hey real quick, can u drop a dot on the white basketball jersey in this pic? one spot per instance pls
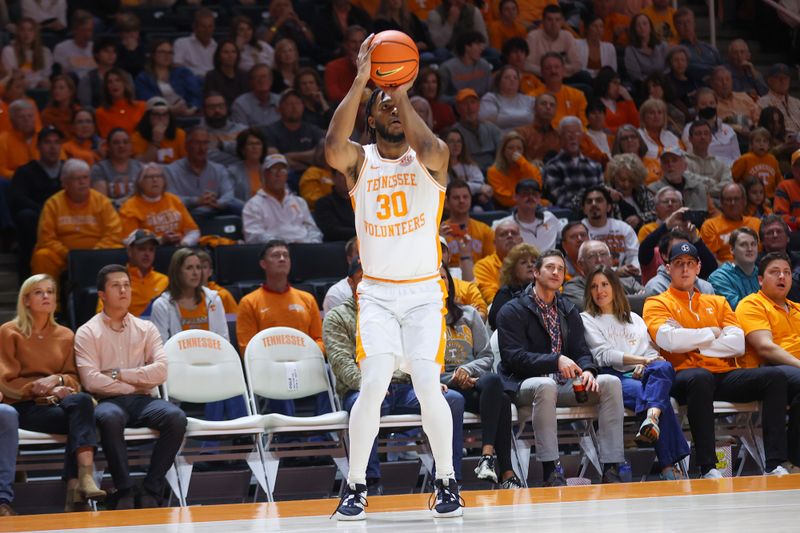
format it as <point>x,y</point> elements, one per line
<point>398,207</point>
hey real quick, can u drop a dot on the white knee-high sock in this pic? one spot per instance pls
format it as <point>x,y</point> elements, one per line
<point>437,421</point>
<point>376,374</point>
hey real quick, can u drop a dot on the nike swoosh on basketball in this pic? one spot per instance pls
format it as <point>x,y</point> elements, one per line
<point>388,72</point>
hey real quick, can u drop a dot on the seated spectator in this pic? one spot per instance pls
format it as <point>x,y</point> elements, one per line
<point>204,187</point>
<point>702,56</point>
<point>429,86</point>
<point>779,81</point>
<point>715,230</point>
<point>221,129</point>
<point>316,110</point>
<point>540,138</point>
<point>482,139</point>
<point>18,144</point>
<point>515,53</point>
<point>621,347</point>
<point>758,163</point>
<point>653,120</point>
<point>467,70</point>
<point>75,218</point>
<point>633,201</point>
<point>661,281</point>
<point>774,237</point>
<point>90,86</point>
<point>683,86</point>
<point>251,149</point>
<point>716,169</point>
<point>286,66</point>
<point>591,256</point>
<point>164,77</point>
<point>724,144</point>
<point>229,303</point>
<point>487,270</point>
<point>157,138</point>
<point>12,88</point>
<point>573,235</point>
<point>196,52</point>
<point>120,360</point>
<point>615,22</point>
<point>661,13</point>
<point>340,335</point>
<point>62,104</point>
<point>468,364</point>
<point>693,187</point>
<point>703,349</point>
<point>542,351</point>
<point>258,107</point>
<point>275,212</point>
<point>131,54</point>
<point>569,101</point>
<point>594,53</point>
<point>510,167</point>
<point>550,38</point>
<point>757,203</point>
<point>119,109</point>
<point>9,439</point>
<point>669,212</point>
<point>341,290</point>
<point>153,209</point>
<point>538,226</point>
<point>567,175</point>
<point>738,278</point>
<point>115,176</point>
<point>290,135</point>
<point>463,168</point>
<point>282,23</point>
<point>395,15</point>
<point>616,234</point>
<point>38,375</point>
<point>27,53</point>
<point>75,55</point>
<point>84,144</point>
<point>733,108</point>
<point>597,141</point>
<point>646,52</point>
<point>340,72</point>
<point>226,78</point>
<point>658,87</point>
<point>781,144</point>
<point>746,77</point>
<point>787,195</point>
<point>665,202</point>
<point>507,26</point>
<point>516,274</point>
<point>771,321</point>
<point>317,180</point>
<point>504,105</point>
<point>252,50</point>
<point>629,141</point>
<point>450,19</point>
<point>334,214</point>
<point>468,239</point>
<point>32,184</point>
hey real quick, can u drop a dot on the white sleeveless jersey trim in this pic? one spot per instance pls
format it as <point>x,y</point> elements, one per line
<point>397,217</point>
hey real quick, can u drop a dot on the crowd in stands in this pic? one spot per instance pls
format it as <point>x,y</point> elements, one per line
<point>600,154</point>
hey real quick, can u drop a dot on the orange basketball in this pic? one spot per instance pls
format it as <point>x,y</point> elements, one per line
<point>395,59</point>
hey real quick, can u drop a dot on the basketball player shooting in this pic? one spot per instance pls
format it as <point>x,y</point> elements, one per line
<point>397,186</point>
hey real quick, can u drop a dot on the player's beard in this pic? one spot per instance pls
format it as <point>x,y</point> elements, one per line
<point>383,133</point>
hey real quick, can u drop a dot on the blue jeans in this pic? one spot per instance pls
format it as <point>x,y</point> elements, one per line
<point>401,400</point>
<point>286,407</point>
<point>229,409</point>
<point>9,440</point>
<point>654,391</point>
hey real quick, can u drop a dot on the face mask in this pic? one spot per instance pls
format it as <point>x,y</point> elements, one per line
<point>707,113</point>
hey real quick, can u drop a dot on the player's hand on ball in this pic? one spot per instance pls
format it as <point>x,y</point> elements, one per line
<point>364,61</point>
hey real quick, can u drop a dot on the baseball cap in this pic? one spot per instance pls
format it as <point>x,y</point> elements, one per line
<point>683,248</point>
<point>779,69</point>
<point>155,102</point>
<point>463,94</point>
<point>50,130</point>
<point>274,159</point>
<point>139,236</point>
<point>795,157</point>
<point>673,150</point>
<point>354,268</point>
<point>527,185</point>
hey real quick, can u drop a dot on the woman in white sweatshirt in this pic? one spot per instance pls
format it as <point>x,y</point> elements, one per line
<point>621,346</point>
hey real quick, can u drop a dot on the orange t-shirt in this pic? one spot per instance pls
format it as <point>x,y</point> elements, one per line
<point>765,168</point>
<point>121,114</point>
<point>504,184</point>
<point>169,150</point>
<point>569,102</point>
<point>196,318</point>
<point>16,151</point>
<point>487,276</point>
<point>716,231</point>
<point>74,148</point>
<point>626,113</point>
<point>5,121</point>
<point>499,33</point>
<point>662,22</point>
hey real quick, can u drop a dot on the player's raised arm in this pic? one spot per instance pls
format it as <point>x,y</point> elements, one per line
<point>341,153</point>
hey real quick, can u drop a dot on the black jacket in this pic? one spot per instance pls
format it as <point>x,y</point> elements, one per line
<point>30,187</point>
<point>525,349</point>
<point>335,218</point>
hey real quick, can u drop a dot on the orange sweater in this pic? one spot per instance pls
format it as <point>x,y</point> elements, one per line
<point>169,150</point>
<point>167,214</point>
<point>16,151</point>
<point>765,168</point>
<point>499,33</point>
<point>468,293</point>
<point>569,101</point>
<point>315,183</point>
<point>5,121</point>
<point>487,276</point>
<point>702,311</point>
<point>24,360</point>
<point>121,114</point>
<point>504,184</point>
<point>262,309</point>
<point>717,230</point>
<point>74,148</point>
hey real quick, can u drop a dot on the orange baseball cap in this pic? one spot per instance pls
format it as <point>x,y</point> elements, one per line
<point>463,94</point>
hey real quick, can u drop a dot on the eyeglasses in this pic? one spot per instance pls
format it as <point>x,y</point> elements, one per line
<point>669,201</point>
<point>596,255</point>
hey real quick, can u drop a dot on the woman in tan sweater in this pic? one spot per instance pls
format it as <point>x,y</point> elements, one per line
<point>38,377</point>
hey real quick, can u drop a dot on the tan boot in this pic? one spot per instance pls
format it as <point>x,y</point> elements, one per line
<point>87,489</point>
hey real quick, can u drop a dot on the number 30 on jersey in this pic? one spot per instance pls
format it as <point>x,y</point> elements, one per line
<point>393,205</point>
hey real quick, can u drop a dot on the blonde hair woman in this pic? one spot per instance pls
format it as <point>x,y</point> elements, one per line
<point>39,379</point>
<point>516,273</point>
<point>626,175</point>
<point>510,167</point>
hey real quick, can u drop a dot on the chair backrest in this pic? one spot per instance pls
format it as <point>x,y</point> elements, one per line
<point>285,364</point>
<point>202,367</point>
<point>238,263</point>
<point>325,260</point>
<point>83,265</point>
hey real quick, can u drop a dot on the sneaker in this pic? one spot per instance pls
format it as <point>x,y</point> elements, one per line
<point>672,473</point>
<point>7,510</point>
<point>354,500</point>
<point>648,432</point>
<point>556,478</point>
<point>485,469</point>
<point>779,471</point>
<point>511,483</point>
<point>792,469</point>
<point>712,474</point>
<point>449,503</point>
<point>611,475</point>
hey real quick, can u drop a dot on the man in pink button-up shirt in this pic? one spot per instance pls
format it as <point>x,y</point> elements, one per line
<point>121,360</point>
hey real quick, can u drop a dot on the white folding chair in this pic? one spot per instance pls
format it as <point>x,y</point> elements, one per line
<point>204,367</point>
<point>283,363</point>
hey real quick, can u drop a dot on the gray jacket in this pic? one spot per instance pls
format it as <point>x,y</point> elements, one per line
<point>660,282</point>
<point>167,317</point>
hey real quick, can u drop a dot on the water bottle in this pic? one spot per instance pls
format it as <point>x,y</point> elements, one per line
<point>625,473</point>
